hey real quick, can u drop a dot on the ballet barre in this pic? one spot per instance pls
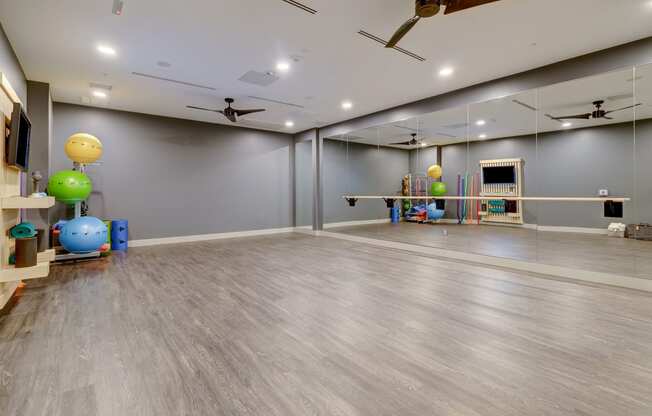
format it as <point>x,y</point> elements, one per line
<point>352,199</point>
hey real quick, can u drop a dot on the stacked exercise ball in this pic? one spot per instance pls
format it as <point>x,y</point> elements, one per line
<point>438,189</point>
<point>83,148</point>
<point>434,171</point>
<point>83,235</point>
<point>69,186</point>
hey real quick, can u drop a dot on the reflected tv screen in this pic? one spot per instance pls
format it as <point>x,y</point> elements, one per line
<point>499,174</point>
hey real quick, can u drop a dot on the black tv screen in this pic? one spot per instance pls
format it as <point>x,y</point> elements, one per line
<point>18,142</point>
<point>498,174</point>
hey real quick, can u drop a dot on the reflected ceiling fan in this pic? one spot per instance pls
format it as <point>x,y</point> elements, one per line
<point>231,113</point>
<point>412,142</point>
<point>597,113</point>
<point>429,8</point>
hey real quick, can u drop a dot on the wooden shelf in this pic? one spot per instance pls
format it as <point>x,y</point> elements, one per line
<point>21,202</point>
<point>47,255</point>
<point>12,274</point>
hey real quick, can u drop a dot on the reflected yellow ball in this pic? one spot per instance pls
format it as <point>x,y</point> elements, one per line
<point>434,171</point>
<point>83,148</point>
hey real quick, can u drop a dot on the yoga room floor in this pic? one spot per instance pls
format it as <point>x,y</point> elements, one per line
<point>301,325</point>
<point>592,252</point>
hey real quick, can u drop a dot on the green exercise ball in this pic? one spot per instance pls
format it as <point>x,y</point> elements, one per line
<point>69,186</point>
<point>438,189</point>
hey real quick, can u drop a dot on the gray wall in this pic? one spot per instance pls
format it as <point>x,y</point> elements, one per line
<point>570,163</point>
<point>40,115</point>
<point>367,170</point>
<point>172,177</point>
<point>10,66</point>
<point>422,159</point>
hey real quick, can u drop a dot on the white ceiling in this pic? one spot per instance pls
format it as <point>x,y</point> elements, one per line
<point>510,116</point>
<point>214,42</point>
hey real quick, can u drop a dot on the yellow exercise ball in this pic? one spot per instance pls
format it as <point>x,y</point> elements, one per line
<point>434,171</point>
<point>83,148</point>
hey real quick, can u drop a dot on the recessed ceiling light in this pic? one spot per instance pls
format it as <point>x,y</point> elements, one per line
<point>423,144</point>
<point>446,71</point>
<point>482,136</point>
<point>106,50</point>
<point>480,123</point>
<point>347,105</point>
<point>99,94</point>
<point>567,124</point>
<point>289,123</point>
<point>283,66</point>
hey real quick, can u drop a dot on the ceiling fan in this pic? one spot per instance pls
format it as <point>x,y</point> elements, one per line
<point>597,113</point>
<point>412,142</point>
<point>429,8</point>
<point>231,113</point>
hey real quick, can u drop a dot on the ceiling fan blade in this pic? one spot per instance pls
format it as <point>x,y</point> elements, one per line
<point>203,109</point>
<point>457,5</point>
<point>402,31</point>
<point>245,112</point>
<point>401,143</point>
<point>624,108</point>
<point>585,116</point>
<point>607,117</point>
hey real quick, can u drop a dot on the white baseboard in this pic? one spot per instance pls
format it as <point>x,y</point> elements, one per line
<point>354,223</point>
<point>539,268</point>
<point>207,237</point>
<point>549,228</point>
<point>583,230</point>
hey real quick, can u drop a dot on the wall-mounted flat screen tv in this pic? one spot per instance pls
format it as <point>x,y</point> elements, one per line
<point>18,140</point>
<point>499,175</point>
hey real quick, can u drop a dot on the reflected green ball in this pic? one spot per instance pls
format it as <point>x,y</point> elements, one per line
<point>438,189</point>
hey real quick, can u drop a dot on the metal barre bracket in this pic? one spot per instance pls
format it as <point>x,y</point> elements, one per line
<point>389,202</point>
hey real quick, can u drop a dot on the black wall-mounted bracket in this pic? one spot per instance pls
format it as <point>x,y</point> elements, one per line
<point>351,201</point>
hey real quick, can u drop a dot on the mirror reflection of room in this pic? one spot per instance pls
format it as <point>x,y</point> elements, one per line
<point>549,176</point>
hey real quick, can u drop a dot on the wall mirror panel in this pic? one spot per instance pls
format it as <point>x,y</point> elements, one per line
<point>557,176</point>
<point>585,148</point>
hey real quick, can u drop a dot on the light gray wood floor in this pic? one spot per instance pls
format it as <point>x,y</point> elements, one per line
<point>301,325</point>
<point>592,252</point>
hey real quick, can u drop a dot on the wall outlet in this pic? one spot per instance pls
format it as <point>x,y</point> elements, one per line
<point>603,192</point>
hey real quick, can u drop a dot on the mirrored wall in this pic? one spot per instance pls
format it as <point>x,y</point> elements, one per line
<point>556,176</point>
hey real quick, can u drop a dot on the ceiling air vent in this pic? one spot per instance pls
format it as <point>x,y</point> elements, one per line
<point>301,6</point>
<point>269,100</point>
<point>262,79</point>
<point>384,42</point>
<point>174,81</point>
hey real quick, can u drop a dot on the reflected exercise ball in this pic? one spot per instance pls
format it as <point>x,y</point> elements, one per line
<point>434,213</point>
<point>69,186</point>
<point>83,235</point>
<point>438,189</point>
<point>83,148</point>
<point>434,171</point>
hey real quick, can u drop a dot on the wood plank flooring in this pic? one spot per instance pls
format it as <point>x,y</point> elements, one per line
<point>592,252</point>
<point>300,325</point>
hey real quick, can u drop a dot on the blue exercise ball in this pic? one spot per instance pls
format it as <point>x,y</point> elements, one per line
<point>83,235</point>
<point>434,213</point>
